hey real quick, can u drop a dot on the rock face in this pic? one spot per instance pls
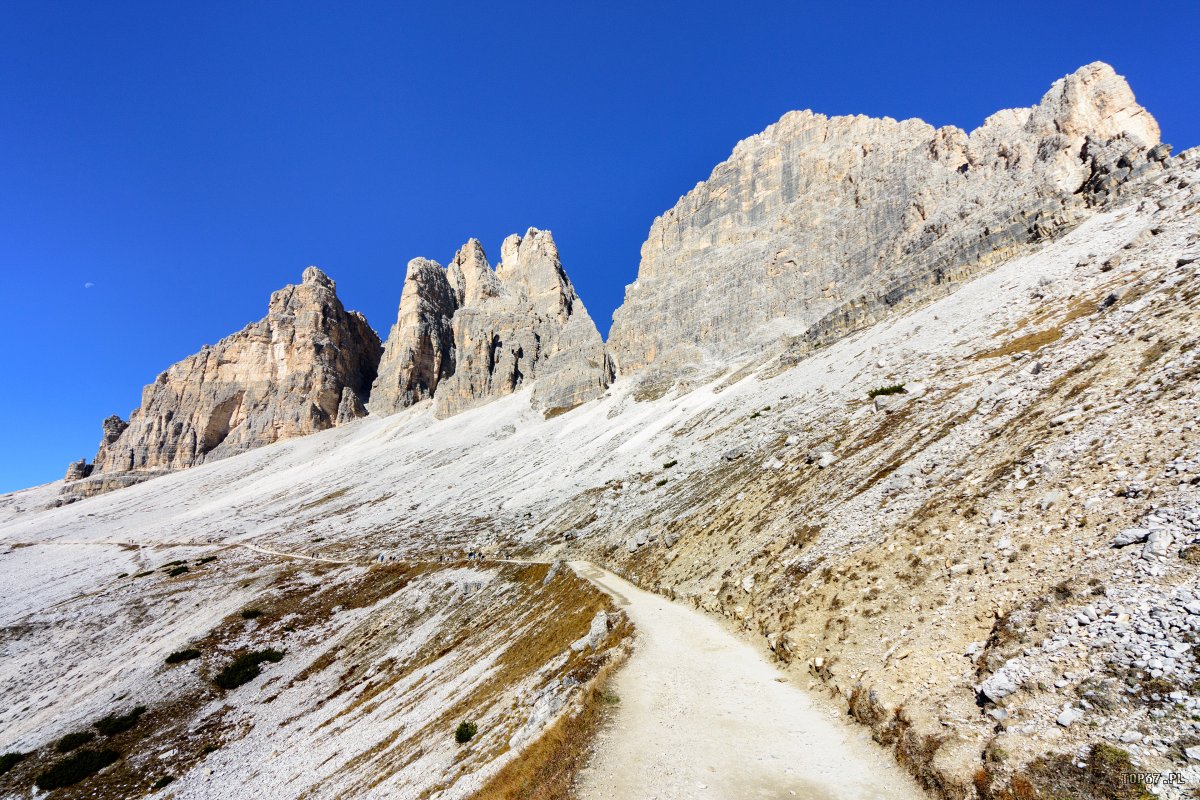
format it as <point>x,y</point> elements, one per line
<point>468,334</point>
<point>419,352</point>
<point>820,225</point>
<point>78,470</point>
<point>301,369</point>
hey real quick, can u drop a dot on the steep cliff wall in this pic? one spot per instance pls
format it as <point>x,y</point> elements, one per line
<point>286,375</point>
<point>467,334</point>
<point>819,225</point>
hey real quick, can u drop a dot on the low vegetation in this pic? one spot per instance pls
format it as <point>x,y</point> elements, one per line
<point>245,668</point>
<point>878,391</point>
<point>465,732</point>
<point>10,760</point>
<point>251,613</point>
<point>72,770</point>
<point>177,571</point>
<point>180,656</point>
<point>119,723</point>
<point>73,740</point>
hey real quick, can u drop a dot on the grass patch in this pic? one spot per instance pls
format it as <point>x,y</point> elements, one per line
<point>1104,777</point>
<point>670,464</point>
<point>119,723</point>
<point>71,771</point>
<point>251,613</point>
<point>206,560</point>
<point>245,668</point>
<point>546,769</point>
<point>162,783</point>
<point>326,499</point>
<point>883,391</point>
<point>10,760</point>
<point>465,732</point>
<point>662,482</point>
<point>180,656</point>
<point>73,740</point>
<point>177,571</point>
<point>1023,344</point>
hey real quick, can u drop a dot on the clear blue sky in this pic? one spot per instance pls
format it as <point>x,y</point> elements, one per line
<point>186,159</point>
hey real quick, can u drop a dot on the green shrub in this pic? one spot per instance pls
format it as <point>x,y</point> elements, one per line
<point>670,464</point>
<point>245,668</point>
<point>180,656</point>
<point>175,563</point>
<point>886,390</point>
<point>72,770</point>
<point>251,613</point>
<point>119,723</point>
<point>662,482</point>
<point>10,760</point>
<point>465,732</point>
<point>72,740</point>
<point>177,571</point>
<point>162,783</point>
<point>207,559</point>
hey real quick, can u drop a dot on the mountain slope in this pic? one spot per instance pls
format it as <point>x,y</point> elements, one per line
<point>973,524</point>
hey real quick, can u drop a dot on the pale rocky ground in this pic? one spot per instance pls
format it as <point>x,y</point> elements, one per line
<point>702,714</point>
<point>381,662</point>
<point>994,569</point>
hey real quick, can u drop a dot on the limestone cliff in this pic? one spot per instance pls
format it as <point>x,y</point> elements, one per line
<point>820,225</point>
<point>420,348</point>
<point>301,369</point>
<point>468,334</point>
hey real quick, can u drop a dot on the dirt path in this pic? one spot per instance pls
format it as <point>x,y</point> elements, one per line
<point>703,715</point>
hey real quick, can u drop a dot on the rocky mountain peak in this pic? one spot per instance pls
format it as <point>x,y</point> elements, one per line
<point>280,377</point>
<point>530,267</point>
<point>468,334</point>
<point>821,225</point>
<point>313,275</point>
<point>419,352</point>
<point>470,276</point>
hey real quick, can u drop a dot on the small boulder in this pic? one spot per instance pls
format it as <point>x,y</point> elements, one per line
<point>1069,716</point>
<point>1129,536</point>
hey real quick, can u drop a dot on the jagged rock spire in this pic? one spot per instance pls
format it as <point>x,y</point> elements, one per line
<point>419,352</point>
<point>283,376</point>
<point>469,334</point>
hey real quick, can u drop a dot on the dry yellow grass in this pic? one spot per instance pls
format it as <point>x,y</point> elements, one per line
<point>546,770</point>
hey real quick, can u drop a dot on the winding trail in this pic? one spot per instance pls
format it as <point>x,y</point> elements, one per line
<point>703,715</point>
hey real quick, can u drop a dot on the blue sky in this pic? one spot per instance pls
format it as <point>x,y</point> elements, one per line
<point>165,166</point>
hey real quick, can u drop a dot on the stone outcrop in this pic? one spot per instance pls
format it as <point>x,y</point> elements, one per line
<point>78,470</point>
<point>467,334</point>
<point>301,369</point>
<point>820,225</point>
<point>419,352</point>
